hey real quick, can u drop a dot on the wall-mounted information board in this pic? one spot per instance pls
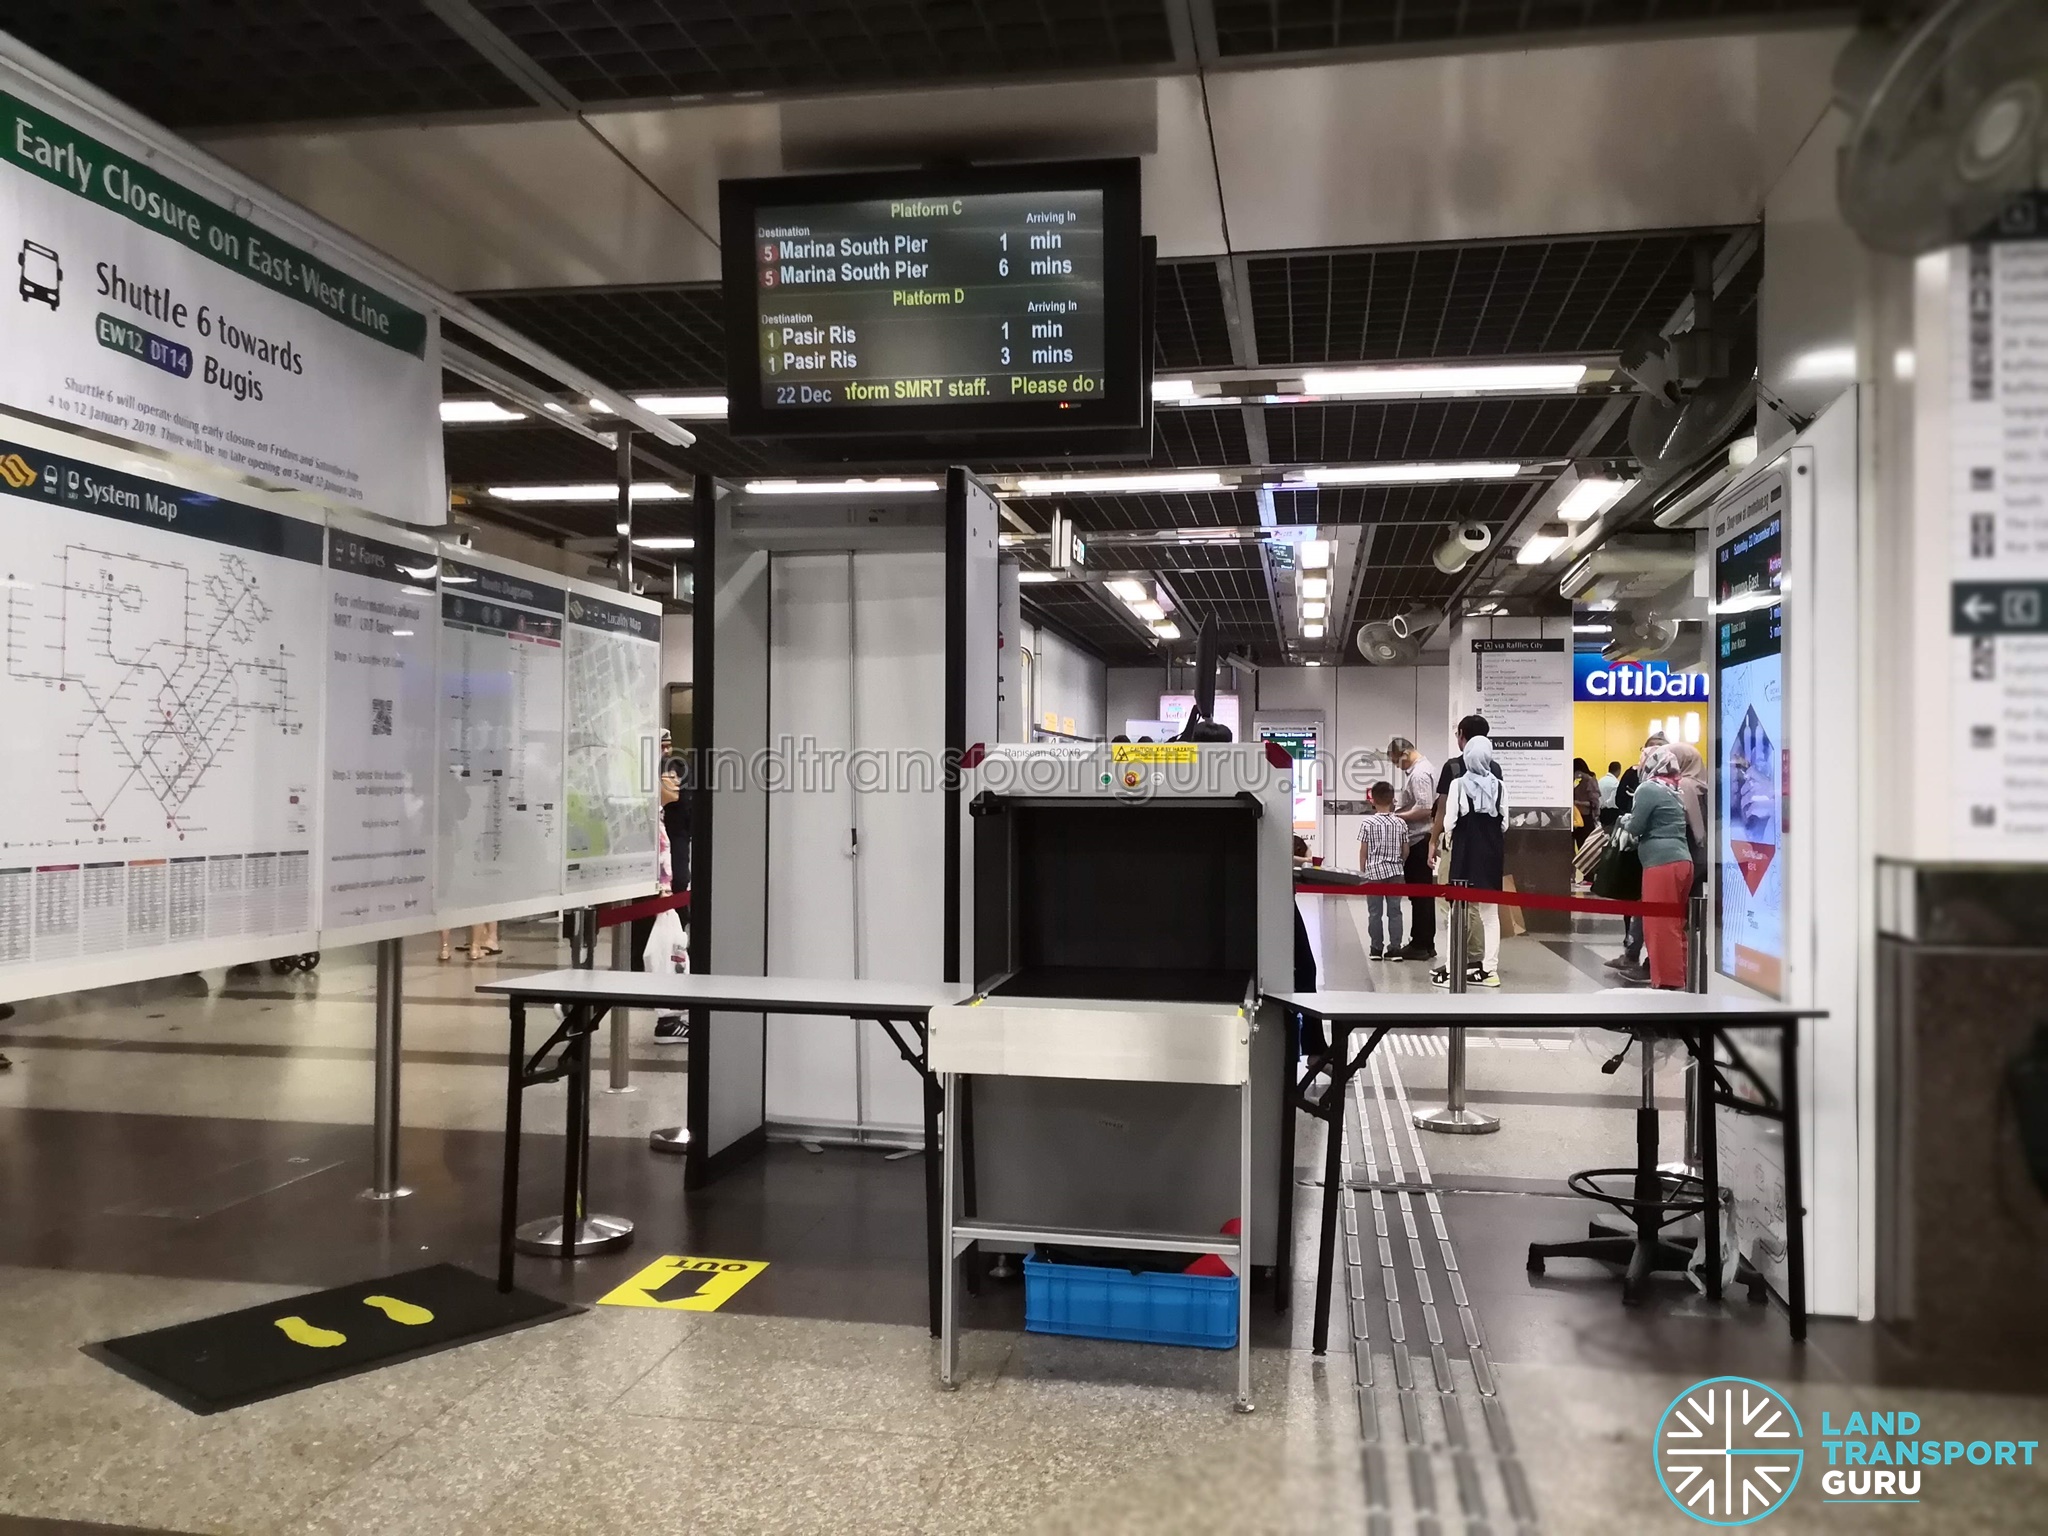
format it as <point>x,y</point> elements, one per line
<point>238,730</point>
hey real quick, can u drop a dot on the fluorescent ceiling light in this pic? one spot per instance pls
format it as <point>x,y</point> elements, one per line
<point>1540,546</point>
<point>692,407</point>
<point>463,412</point>
<point>1590,497</point>
<point>559,410</point>
<point>1404,474</point>
<point>664,543</point>
<point>401,634</point>
<point>1036,576</point>
<point>1166,629</point>
<point>643,490</point>
<point>1824,363</point>
<point>1166,391</point>
<point>1314,610</point>
<point>1075,485</point>
<point>1445,380</point>
<point>1149,610</point>
<point>1315,555</point>
<point>1749,602</point>
<point>1311,662</point>
<point>1592,629</point>
<point>1130,590</point>
<point>1311,631</point>
<point>1315,586</point>
<point>883,487</point>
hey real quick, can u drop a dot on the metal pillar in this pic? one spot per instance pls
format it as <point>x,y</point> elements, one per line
<point>621,1064</point>
<point>1454,1118</point>
<point>625,518</point>
<point>595,1233</point>
<point>384,1183</point>
<point>1695,981</point>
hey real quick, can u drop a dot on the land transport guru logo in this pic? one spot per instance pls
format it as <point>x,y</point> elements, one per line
<point>1728,1450</point>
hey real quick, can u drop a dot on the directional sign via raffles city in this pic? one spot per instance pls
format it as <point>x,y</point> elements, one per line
<point>946,308</point>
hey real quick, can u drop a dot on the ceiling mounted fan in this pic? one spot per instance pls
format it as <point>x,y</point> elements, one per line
<point>1948,108</point>
<point>1694,396</point>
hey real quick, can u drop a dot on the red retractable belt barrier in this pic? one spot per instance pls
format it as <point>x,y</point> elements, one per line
<point>633,911</point>
<point>1598,905</point>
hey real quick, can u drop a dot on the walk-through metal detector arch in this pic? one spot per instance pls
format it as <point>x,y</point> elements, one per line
<point>845,656</point>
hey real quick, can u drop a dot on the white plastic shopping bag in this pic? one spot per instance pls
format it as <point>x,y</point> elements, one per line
<point>667,951</point>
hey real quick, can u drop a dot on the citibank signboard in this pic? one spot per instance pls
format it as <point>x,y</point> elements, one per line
<point>1596,681</point>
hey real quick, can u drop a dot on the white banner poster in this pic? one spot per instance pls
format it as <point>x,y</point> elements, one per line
<point>1998,602</point>
<point>161,687</point>
<point>142,309</point>
<point>611,767</point>
<point>1524,689</point>
<point>500,793</point>
<point>383,622</point>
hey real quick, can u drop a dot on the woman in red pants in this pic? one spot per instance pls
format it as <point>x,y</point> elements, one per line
<point>1660,824</point>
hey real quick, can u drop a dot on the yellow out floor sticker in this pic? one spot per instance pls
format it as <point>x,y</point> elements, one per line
<point>683,1283</point>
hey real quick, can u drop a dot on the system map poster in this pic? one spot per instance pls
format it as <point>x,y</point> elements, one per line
<point>160,683</point>
<point>1524,689</point>
<point>1749,740</point>
<point>383,620</point>
<point>610,767</point>
<point>500,793</point>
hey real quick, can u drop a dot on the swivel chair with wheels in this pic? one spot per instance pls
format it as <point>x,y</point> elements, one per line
<point>1657,1199</point>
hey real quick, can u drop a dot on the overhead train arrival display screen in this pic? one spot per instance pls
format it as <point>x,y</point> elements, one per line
<point>974,301</point>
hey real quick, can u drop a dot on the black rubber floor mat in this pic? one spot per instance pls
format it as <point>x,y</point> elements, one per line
<point>301,1341</point>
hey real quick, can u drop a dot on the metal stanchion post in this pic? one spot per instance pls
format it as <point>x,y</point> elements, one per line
<point>622,960</point>
<point>1454,1118</point>
<point>1695,981</point>
<point>384,1183</point>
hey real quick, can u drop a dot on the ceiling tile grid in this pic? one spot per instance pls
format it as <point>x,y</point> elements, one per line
<point>1246,28</point>
<point>1491,299</point>
<point>245,62</point>
<point>666,338</point>
<point>1191,327</point>
<point>1413,431</point>
<point>619,50</point>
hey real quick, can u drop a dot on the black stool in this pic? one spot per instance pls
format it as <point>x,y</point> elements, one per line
<point>1658,1197</point>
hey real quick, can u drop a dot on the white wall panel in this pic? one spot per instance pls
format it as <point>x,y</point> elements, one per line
<point>899,663</point>
<point>1069,684</point>
<point>810,1061</point>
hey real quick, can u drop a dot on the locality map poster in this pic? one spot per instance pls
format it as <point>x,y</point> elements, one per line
<point>161,685</point>
<point>610,762</point>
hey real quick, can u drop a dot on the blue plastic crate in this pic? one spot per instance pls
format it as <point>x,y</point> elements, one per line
<point>1088,1302</point>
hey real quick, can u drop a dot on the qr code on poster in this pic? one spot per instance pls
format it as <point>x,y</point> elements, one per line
<point>380,717</point>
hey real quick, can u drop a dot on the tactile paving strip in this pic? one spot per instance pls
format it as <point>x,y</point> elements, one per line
<point>1439,1454</point>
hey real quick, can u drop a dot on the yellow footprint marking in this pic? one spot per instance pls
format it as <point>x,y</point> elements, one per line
<point>299,1331</point>
<point>399,1311</point>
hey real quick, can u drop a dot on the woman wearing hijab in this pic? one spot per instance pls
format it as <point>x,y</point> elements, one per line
<point>1585,800</point>
<point>1662,824</point>
<point>1692,793</point>
<point>1475,820</point>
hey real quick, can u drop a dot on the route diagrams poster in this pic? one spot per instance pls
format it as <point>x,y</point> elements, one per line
<point>500,788</point>
<point>160,686</point>
<point>614,657</point>
<point>383,621</point>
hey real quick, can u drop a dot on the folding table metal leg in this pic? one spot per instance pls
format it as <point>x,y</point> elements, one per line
<point>1708,1136</point>
<point>933,1239</point>
<point>1795,1184</point>
<point>949,1300</point>
<point>1244,1246</point>
<point>508,1209</point>
<point>1333,1174</point>
<point>1283,1238</point>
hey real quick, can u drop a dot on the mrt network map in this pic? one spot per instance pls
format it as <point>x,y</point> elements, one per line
<point>611,773</point>
<point>159,679</point>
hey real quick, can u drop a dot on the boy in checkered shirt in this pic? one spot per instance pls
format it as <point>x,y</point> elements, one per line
<point>1382,848</point>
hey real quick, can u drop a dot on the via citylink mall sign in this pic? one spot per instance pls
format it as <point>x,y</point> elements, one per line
<point>1597,681</point>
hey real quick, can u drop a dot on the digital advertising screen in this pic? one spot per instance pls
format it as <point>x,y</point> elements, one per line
<point>1751,781</point>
